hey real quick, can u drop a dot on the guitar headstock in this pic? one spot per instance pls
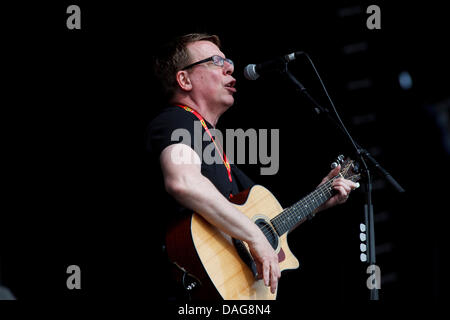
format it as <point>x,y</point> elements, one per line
<point>349,169</point>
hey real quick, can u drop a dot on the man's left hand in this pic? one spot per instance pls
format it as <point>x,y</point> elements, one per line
<point>341,185</point>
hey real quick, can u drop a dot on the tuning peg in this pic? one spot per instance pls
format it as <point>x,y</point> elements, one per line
<point>339,160</point>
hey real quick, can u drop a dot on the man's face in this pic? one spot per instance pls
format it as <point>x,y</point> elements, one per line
<point>213,84</point>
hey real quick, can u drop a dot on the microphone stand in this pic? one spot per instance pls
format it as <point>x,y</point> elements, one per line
<point>363,155</point>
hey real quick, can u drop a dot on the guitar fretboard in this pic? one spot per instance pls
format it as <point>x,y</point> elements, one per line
<point>289,218</point>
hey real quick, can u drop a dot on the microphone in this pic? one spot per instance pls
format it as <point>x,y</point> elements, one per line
<point>253,71</point>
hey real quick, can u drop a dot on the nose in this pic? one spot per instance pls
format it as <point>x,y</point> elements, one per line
<point>228,68</point>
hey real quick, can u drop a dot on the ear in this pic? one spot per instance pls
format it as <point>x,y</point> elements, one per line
<point>184,81</point>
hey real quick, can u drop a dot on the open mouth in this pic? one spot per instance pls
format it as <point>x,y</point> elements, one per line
<point>230,86</point>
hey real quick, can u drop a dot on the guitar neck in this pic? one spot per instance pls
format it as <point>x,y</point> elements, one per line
<point>291,216</point>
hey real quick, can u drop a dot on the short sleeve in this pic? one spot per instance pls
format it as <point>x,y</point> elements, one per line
<point>173,125</point>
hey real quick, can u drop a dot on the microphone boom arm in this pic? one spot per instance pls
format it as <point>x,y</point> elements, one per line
<point>363,154</point>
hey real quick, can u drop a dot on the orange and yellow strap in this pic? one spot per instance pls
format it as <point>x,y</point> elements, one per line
<point>220,150</point>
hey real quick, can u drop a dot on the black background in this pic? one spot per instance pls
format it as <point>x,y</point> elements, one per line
<point>76,104</point>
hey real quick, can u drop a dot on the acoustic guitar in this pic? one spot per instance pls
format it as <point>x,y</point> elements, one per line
<point>215,266</point>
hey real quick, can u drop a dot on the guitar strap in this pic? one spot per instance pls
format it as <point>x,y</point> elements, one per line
<point>218,148</point>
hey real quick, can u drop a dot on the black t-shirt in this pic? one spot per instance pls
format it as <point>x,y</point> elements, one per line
<point>159,136</point>
<point>163,208</point>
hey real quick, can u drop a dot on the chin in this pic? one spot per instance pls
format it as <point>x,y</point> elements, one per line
<point>229,102</point>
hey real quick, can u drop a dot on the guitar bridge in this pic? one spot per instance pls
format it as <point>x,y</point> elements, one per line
<point>246,257</point>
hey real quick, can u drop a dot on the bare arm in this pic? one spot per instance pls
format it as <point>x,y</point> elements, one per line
<point>191,189</point>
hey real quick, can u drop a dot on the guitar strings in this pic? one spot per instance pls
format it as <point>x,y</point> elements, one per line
<point>292,212</point>
<point>295,210</point>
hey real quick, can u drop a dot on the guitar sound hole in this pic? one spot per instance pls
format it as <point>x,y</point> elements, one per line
<point>268,231</point>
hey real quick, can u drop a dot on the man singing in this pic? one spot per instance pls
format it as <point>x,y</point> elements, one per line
<point>197,79</point>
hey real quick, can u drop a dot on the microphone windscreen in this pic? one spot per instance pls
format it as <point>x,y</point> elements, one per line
<point>250,72</point>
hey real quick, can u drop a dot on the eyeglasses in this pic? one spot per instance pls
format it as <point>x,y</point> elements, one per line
<point>217,60</point>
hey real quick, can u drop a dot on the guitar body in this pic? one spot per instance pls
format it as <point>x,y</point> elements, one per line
<point>210,255</point>
<point>215,266</point>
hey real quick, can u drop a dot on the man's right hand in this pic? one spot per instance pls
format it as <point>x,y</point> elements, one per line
<point>185,182</point>
<point>266,260</point>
